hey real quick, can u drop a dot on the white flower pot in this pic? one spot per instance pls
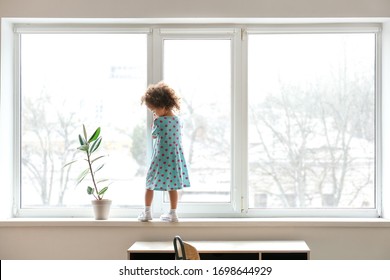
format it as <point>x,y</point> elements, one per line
<point>101,208</point>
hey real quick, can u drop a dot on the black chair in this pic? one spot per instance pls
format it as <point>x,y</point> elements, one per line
<point>184,250</point>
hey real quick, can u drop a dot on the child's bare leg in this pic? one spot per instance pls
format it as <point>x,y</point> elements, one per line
<point>173,198</point>
<point>146,215</point>
<point>172,215</point>
<point>148,197</point>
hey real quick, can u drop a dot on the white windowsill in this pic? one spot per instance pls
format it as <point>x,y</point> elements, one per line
<point>199,222</point>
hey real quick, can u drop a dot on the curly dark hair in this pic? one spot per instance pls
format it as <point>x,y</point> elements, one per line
<point>161,95</point>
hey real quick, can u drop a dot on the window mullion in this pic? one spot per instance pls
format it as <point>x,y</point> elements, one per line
<point>238,124</point>
<point>155,75</point>
<point>242,111</point>
<point>17,128</point>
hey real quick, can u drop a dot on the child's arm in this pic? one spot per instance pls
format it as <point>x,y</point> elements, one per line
<point>155,128</point>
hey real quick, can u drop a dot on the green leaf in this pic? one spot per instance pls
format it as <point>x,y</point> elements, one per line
<point>95,135</point>
<point>100,167</point>
<point>95,145</point>
<point>81,140</point>
<point>84,148</point>
<point>90,190</point>
<point>85,132</point>
<point>82,175</point>
<point>97,159</point>
<point>101,181</point>
<point>103,190</point>
<point>69,163</point>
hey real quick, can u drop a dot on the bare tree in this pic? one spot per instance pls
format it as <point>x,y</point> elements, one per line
<point>46,147</point>
<point>306,141</point>
<point>138,147</point>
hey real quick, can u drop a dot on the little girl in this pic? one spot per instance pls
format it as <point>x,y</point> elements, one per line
<point>168,169</point>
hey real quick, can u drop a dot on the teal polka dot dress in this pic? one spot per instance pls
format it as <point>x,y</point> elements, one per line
<point>168,168</point>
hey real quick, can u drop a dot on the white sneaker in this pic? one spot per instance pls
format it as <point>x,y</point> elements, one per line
<point>145,216</point>
<point>169,217</point>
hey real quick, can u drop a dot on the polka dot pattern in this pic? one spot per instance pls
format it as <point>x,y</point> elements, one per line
<point>168,168</point>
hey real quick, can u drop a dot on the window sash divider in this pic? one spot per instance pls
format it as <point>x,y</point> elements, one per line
<point>304,29</point>
<point>80,29</point>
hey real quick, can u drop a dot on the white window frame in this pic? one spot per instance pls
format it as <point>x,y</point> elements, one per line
<point>329,212</point>
<point>234,35</point>
<point>156,34</point>
<point>81,212</point>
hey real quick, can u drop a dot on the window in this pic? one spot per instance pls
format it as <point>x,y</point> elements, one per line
<point>198,63</point>
<point>311,120</point>
<point>278,121</point>
<point>72,79</point>
<point>200,70</point>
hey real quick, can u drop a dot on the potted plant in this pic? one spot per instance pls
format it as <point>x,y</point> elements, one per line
<point>89,146</point>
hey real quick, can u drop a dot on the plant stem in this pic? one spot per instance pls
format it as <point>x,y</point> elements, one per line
<point>93,177</point>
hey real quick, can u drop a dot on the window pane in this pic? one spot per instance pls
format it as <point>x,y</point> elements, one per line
<point>72,79</point>
<point>200,71</point>
<point>311,120</point>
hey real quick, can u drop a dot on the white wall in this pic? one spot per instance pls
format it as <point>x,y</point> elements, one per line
<point>110,240</point>
<point>197,8</point>
<point>260,9</point>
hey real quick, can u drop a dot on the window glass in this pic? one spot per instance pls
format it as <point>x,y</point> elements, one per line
<point>200,71</point>
<point>68,80</point>
<point>311,120</point>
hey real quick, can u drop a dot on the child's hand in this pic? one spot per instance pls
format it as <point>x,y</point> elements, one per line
<point>154,118</point>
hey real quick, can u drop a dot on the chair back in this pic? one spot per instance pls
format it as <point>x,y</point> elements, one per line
<point>191,252</point>
<point>178,245</point>
<point>184,250</point>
